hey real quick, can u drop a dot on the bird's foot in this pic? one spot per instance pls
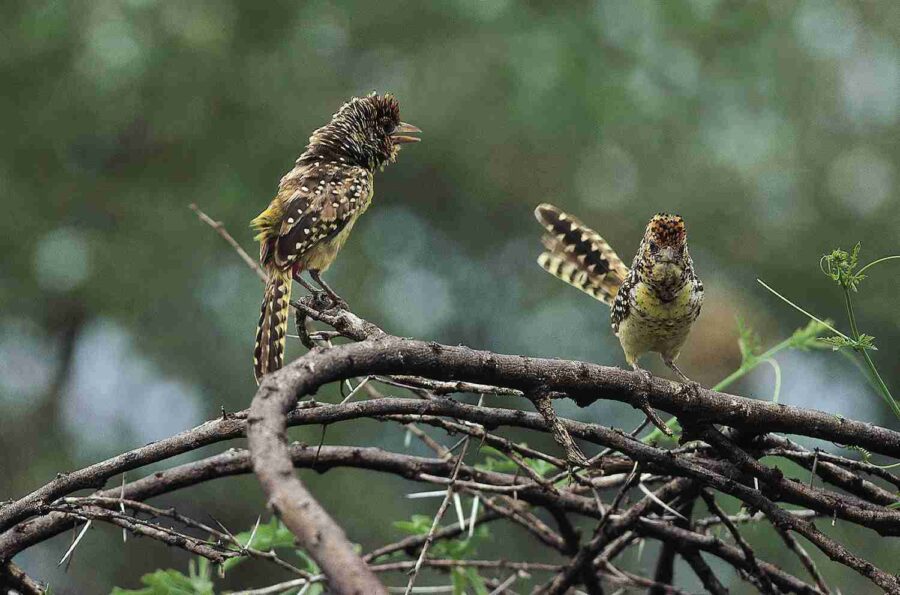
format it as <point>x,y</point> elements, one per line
<point>646,382</point>
<point>643,403</point>
<point>333,300</point>
<point>689,388</point>
<point>336,301</point>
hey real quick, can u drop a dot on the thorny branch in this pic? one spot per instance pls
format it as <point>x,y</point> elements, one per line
<point>628,493</point>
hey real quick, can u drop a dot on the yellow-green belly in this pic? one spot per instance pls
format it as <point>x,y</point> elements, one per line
<point>655,325</point>
<point>320,256</point>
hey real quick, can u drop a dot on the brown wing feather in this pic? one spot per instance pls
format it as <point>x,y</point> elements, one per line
<point>322,202</point>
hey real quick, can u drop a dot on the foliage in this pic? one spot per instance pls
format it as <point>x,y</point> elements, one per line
<point>499,461</point>
<point>802,339</point>
<point>270,536</point>
<point>198,581</point>
<point>841,267</point>
<point>265,537</point>
<point>462,579</point>
<point>760,122</point>
<point>273,535</point>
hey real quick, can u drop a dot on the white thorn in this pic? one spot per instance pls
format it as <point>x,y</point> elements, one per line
<point>656,499</point>
<point>417,495</point>
<point>75,543</point>
<point>457,503</point>
<point>474,515</point>
<point>253,533</point>
<point>122,508</point>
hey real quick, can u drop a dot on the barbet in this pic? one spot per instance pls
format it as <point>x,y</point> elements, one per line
<point>317,203</point>
<point>654,303</point>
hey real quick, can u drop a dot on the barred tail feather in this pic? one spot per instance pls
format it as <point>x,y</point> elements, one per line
<point>578,255</point>
<point>268,354</point>
<point>569,272</point>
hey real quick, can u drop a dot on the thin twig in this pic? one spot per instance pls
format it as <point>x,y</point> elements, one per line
<point>281,587</point>
<point>764,583</point>
<point>429,538</point>
<point>543,404</point>
<point>706,575</point>
<point>220,229</point>
<point>804,557</point>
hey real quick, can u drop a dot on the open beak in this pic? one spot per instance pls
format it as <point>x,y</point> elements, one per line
<point>401,132</point>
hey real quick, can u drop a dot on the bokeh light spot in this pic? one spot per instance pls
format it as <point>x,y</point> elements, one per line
<point>826,28</point>
<point>62,260</point>
<point>862,179</point>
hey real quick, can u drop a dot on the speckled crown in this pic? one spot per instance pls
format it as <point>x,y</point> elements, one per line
<point>666,230</point>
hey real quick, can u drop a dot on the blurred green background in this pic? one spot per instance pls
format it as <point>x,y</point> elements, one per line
<point>772,127</point>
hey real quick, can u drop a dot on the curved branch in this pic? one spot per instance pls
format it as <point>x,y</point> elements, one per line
<point>708,543</point>
<point>95,476</point>
<point>781,519</point>
<point>279,393</point>
<point>233,462</point>
<point>583,382</point>
<point>236,462</point>
<point>450,369</point>
<point>15,580</point>
<point>317,533</point>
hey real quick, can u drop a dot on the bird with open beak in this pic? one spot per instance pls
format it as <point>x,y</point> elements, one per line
<point>316,206</point>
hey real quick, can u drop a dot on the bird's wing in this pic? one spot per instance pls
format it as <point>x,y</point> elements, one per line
<point>321,202</point>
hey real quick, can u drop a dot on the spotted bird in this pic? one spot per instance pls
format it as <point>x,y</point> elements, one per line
<point>317,203</point>
<point>654,303</point>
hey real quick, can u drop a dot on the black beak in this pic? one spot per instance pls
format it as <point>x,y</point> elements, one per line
<point>400,133</point>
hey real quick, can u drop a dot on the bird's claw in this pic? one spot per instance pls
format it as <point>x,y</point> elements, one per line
<point>690,388</point>
<point>643,401</point>
<point>338,302</point>
<point>326,301</point>
<point>646,383</point>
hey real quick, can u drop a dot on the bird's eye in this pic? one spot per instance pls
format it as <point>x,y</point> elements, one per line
<point>653,248</point>
<point>388,125</point>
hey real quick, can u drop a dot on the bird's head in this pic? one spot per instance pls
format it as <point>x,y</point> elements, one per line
<point>663,251</point>
<point>366,131</point>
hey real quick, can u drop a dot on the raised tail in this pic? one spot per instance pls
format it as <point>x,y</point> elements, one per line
<point>268,354</point>
<point>578,255</point>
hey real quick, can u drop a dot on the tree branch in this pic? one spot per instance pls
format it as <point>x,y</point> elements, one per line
<point>429,369</point>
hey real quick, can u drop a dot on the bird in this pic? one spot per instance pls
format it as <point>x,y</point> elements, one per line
<point>316,206</point>
<point>653,304</point>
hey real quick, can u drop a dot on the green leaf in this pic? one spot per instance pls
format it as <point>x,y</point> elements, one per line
<point>170,582</point>
<point>419,524</point>
<point>865,454</point>
<point>540,466</point>
<point>459,581</point>
<point>864,342</point>
<point>462,578</point>
<point>476,581</point>
<point>840,266</point>
<point>502,463</point>
<point>748,343</point>
<point>807,337</point>
<point>311,565</point>
<point>455,549</point>
<point>499,462</point>
<point>270,536</point>
<point>460,549</point>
